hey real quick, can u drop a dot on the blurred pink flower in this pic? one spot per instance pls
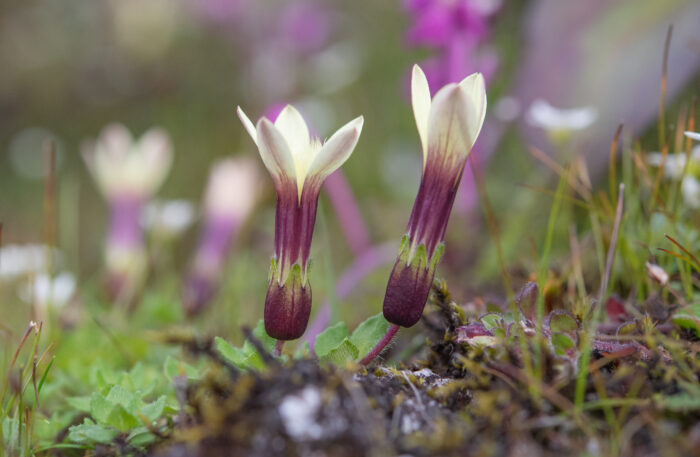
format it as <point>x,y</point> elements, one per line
<point>455,30</point>
<point>438,22</point>
<point>306,25</point>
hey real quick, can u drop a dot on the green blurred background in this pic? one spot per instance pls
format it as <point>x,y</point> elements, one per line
<point>69,67</point>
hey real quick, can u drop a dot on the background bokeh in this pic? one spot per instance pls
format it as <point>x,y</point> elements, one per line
<point>70,67</point>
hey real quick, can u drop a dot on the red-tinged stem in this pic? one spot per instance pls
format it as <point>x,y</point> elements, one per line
<point>376,350</point>
<point>278,348</point>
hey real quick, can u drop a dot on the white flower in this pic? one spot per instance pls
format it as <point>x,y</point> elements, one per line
<point>44,291</point>
<point>542,114</point>
<point>123,166</point>
<point>449,123</point>
<point>23,259</point>
<point>690,188</point>
<point>233,188</point>
<point>171,216</point>
<point>693,135</point>
<point>674,163</point>
<point>657,273</point>
<point>675,166</point>
<point>289,152</point>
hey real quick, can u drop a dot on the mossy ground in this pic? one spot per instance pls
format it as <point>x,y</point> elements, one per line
<point>448,397</point>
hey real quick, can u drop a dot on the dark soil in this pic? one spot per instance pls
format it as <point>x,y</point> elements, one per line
<point>450,399</point>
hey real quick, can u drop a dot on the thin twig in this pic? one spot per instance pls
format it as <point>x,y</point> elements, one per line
<point>662,88</point>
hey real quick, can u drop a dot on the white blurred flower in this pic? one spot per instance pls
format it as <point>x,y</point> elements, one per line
<point>657,273</point>
<point>542,114</point>
<point>674,163</point>
<point>690,189</point>
<point>24,259</point>
<point>122,166</point>
<point>335,68</point>
<point>171,217</point>
<point>44,291</point>
<point>232,190</point>
<point>675,166</point>
<point>507,109</point>
<point>693,135</point>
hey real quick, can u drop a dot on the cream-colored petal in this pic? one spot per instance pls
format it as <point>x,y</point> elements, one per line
<point>420,99</point>
<point>116,141</point>
<point>154,158</point>
<point>448,131</point>
<point>233,189</point>
<point>293,128</point>
<point>249,126</point>
<point>274,151</point>
<point>109,168</point>
<point>95,165</point>
<point>474,87</point>
<point>337,149</point>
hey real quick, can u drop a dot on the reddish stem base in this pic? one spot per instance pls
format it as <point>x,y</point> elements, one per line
<point>278,348</point>
<point>376,350</point>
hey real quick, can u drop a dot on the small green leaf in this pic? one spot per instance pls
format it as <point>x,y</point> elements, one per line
<point>330,338</point>
<point>121,419</point>
<point>118,395</point>
<point>562,343</point>
<point>81,404</point>
<point>100,407</point>
<point>369,333</point>
<point>173,368</point>
<point>141,437</point>
<point>627,328</point>
<point>491,320</point>
<point>254,361</point>
<point>342,353</point>
<point>90,433</point>
<point>230,353</point>
<point>687,322</point>
<point>137,375</point>
<point>562,322</point>
<point>154,410</point>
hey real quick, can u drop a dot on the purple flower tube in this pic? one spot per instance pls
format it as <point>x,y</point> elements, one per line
<point>230,197</point>
<point>448,126</point>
